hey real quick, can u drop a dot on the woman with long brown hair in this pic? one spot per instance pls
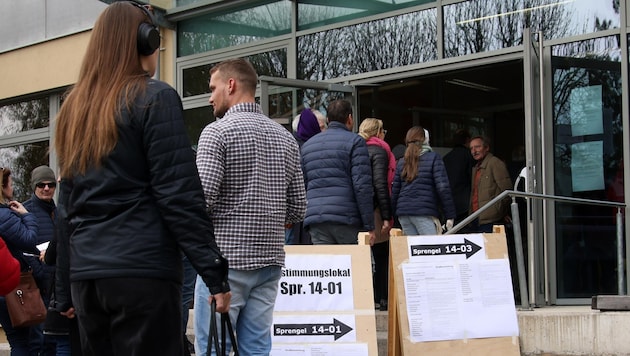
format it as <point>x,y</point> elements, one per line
<point>421,193</point>
<point>130,195</point>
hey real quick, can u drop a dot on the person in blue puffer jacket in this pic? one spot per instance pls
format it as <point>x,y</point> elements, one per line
<point>19,230</point>
<point>421,193</point>
<point>338,176</point>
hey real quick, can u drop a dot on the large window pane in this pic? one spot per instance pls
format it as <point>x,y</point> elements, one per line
<point>366,47</point>
<point>486,25</point>
<point>24,115</point>
<point>233,27</point>
<point>195,120</point>
<point>22,160</point>
<point>588,163</point>
<point>286,102</point>
<point>320,13</point>
<point>273,64</point>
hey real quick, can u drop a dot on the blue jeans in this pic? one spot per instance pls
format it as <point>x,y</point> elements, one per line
<point>417,225</point>
<point>40,344</point>
<point>17,337</point>
<point>63,344</point>
<point>334,234</point>
<point>251,310</point>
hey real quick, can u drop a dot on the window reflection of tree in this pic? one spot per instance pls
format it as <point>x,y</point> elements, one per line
<point>582,64</point>
<point>19,117</point>
<point>582,255</point>
<point>235,27</point>
<point>375,45</point>
<point>482,25</point>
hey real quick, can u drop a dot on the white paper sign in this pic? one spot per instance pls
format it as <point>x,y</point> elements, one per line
<point>314,328</point>
<point>436,248</point>
<point>450,301</point>
<point>587,166</point>
<point>320,350</point>
<point>586,110</point>
<point>316,282</point>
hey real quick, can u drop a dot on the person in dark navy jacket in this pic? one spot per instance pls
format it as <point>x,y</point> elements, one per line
<point>338,176</point>
<point>421,193</point>
<point>42,205</point>
<point>18,229</point>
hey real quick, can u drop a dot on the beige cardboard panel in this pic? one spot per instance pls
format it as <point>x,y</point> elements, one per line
<point>363,297</point>
<point>399,343</point>
<point>499,346</point>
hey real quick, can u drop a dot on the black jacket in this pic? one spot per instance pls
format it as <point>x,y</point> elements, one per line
<point>44,212</point>
<point>380,166</point>
<point>130,217</point>
<point>459,163</point>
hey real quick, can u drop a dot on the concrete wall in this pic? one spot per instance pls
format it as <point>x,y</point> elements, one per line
<point>25,22</point>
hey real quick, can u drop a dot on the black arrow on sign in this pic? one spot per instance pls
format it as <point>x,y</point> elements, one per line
<point>337,328</point>
<point>468,248</point>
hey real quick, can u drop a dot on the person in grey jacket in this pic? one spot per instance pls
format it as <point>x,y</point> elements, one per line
<point>338,176</point>
<point>130,197</point>
<point>421,193</point>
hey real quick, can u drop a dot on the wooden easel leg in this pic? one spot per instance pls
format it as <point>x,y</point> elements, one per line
<point>393,333</point>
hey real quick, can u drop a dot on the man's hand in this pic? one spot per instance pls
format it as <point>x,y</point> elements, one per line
<point>372,237</point>
<point>386,228</point>
<point>68,313</point>
<point>449,224</point>
<point>223,301</point>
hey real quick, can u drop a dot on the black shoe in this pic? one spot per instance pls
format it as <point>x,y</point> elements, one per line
<point>189,348</point>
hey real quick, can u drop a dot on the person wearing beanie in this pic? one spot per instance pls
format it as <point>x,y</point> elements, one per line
<point>308,126</point>
<point>42,205</point>
<point>43,174</point>
<point>9,270</point>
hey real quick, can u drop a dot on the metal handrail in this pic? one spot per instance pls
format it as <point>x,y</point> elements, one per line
<point>518,239</point>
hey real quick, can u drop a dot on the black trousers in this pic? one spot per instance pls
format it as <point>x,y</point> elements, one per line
<point>380,252</point>
<point>129,316</point>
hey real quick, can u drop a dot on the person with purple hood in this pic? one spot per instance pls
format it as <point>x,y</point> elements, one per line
<point>308,126</point>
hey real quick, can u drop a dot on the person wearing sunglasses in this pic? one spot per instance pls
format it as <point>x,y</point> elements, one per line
<point>42,205</point>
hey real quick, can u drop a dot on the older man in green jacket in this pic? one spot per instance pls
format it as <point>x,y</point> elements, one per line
<point>490,178</point>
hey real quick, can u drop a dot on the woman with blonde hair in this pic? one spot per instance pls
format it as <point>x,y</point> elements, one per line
<point>130,198</point>
<point>421,193</point>
<point>19,230</point>
<point>383,166</point>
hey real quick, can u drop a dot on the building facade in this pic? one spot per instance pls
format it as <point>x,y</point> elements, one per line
<point>545,80</point>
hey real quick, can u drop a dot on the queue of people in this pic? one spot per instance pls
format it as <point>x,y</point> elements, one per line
<point>134,202</point>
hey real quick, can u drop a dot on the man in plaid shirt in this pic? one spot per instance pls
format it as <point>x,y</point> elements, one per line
<point>251,174</point>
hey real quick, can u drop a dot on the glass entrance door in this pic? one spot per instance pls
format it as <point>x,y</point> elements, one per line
<point>588,163</point>
<point>534,242</point>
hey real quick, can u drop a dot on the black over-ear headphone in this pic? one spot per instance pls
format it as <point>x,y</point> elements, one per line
<point>148,33</point>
